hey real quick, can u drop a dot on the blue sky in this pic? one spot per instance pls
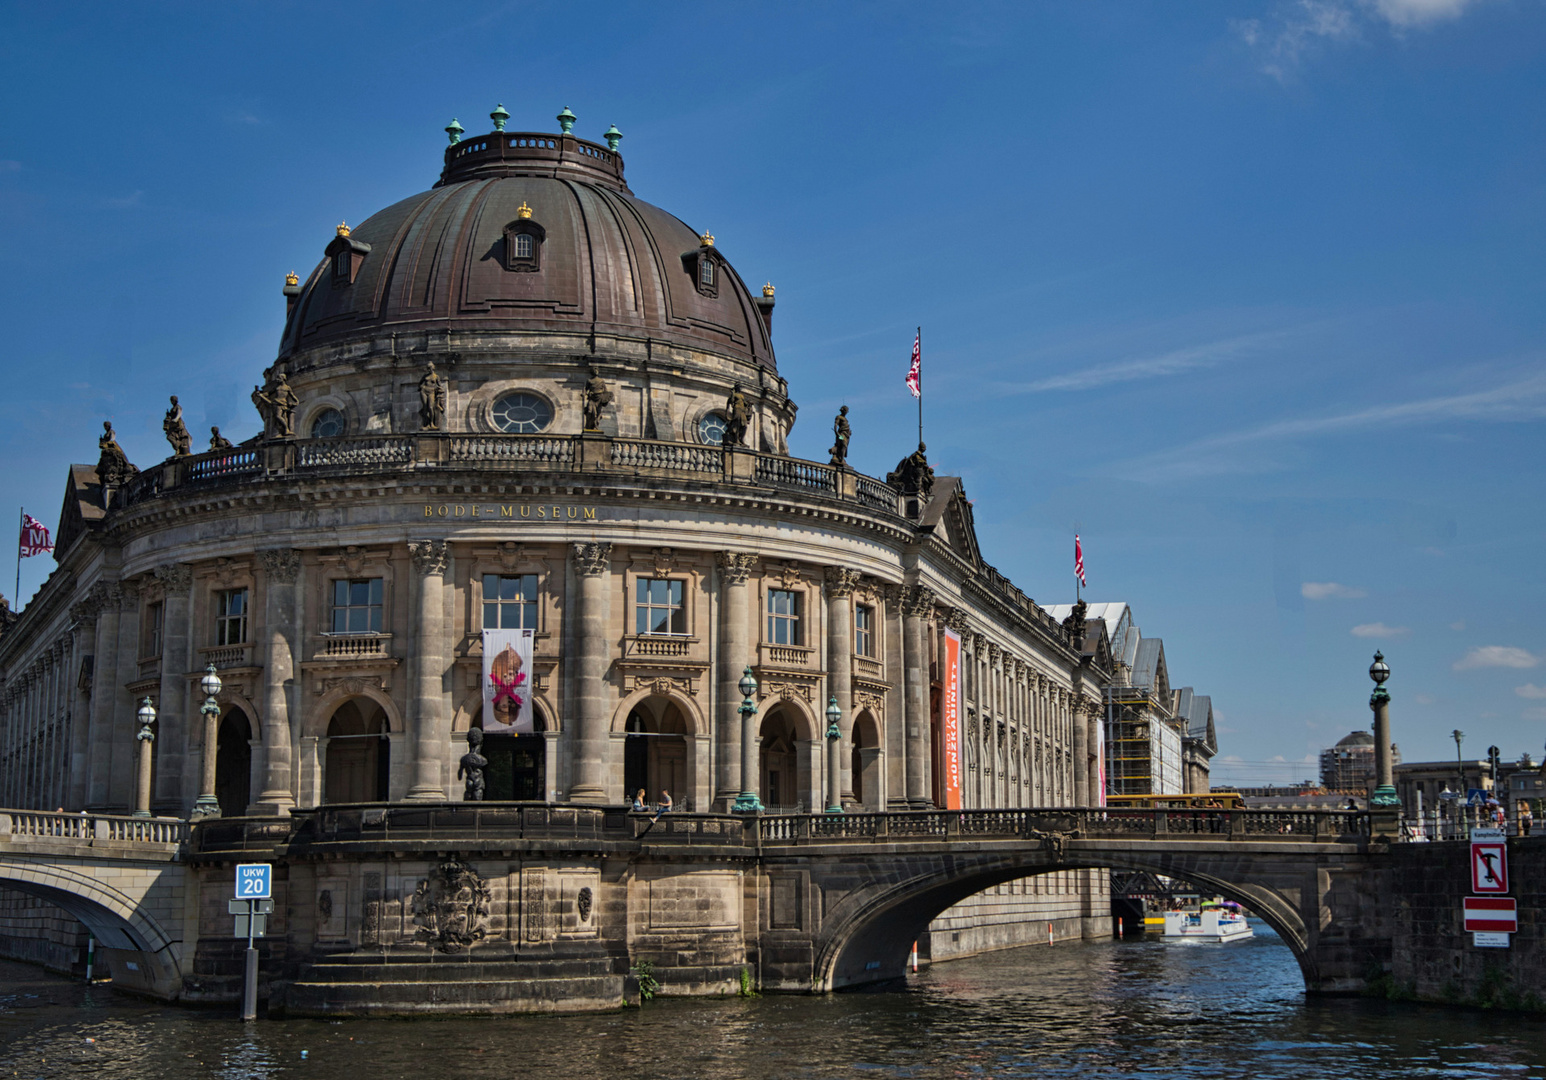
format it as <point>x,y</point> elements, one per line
<point>1250,294</point>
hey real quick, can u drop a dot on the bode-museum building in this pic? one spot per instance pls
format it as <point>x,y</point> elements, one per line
<point>526,411</point>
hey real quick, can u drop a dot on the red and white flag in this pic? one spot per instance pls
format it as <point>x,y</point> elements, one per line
<point>34,537</point>
<point>1079,562</point>
<point>915,372</point>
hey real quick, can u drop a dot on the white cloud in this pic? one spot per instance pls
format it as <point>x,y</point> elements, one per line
<point>1330,590</point>
<point>127,201</point>
<point>1423,699</point>
<point>1379,629</point>
<point>1505,656</point>
<point>1175,362</point>
<point>1530,690</point>
<point>1404,13</point>
<point>1458,625</point>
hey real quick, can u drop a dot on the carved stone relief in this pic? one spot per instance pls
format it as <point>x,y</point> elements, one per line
<point>451,907</point>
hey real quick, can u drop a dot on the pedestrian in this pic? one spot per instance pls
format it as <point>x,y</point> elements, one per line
<point>638,801</point>
<point>665,801</point>
<point>1526,819</point>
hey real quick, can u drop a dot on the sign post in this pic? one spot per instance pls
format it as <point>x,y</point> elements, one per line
<point>252,906</point>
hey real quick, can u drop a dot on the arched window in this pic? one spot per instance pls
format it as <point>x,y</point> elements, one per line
<point>328,424</point>
<point>711,429</point>
<point>521,413</point>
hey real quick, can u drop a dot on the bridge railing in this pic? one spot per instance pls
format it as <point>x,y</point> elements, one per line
<point>91,828</point>
<point>1297,826</point>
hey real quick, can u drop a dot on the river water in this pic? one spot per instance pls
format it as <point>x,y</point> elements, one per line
<point>1142,1009</point>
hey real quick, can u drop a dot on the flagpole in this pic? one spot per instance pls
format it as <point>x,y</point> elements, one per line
<point>920,386</point>
<point>21,526</point>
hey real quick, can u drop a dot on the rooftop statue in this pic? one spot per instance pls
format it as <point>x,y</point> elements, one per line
<point>840,436</point>
<point>176,430</point>
<point>432,400</point>
<point>597,397</point>
<point>218,441</point>
<point>276,403</point>
<point>113,466</point>
<point>738,417</point>
<point>913,475</point>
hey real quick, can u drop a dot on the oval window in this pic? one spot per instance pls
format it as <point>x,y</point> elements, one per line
<point>522,414</point>
<point>711,429</point>
<point>329,424</point>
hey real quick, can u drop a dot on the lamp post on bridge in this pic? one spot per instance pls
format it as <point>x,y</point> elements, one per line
<point>747,802</point>
<point>147,741</point>
<point>1384,803</point>
<point>834,758</point>
<point>207,804</point>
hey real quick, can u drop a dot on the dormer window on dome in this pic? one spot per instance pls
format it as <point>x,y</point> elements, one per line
<point>703,264</point>
<point>523,242</point>
<point>346,254</point>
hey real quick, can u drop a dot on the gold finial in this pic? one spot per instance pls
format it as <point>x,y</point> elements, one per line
<point>523,211</point>
<point>343,229</point>
<point>767,290</point>
<point>707,239</point>
<point>292,278</point>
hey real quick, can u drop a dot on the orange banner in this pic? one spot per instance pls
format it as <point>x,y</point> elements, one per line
<point>950,707</point>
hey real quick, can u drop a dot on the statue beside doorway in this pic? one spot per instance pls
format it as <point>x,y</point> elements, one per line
<point>472,765</point>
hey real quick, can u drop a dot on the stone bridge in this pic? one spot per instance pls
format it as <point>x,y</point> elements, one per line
<point>529,907</point>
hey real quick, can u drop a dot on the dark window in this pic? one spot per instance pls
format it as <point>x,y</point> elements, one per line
<point>509,603</point>
<point>864,630</point>
<point>231,617</point>
<point>357,606</point>
<point>659,608</point>
<point>784,618</point>
<point>342,266</point>
<point>329,424</point>
<point>522,414</point>
<point>153,626</point>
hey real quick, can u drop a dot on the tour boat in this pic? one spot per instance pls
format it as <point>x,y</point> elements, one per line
<point>1213,925</point>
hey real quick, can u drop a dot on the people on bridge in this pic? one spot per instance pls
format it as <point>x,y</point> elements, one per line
<point>1525,818</point>
<point>638,802</point>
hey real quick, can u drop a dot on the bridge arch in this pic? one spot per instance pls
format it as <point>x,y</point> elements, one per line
<point>118,920</point>
<point>866,937</point>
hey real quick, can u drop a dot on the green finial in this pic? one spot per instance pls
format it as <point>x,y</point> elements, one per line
<point>613,137</point>
<point>454,130</point>
<point>566,120</point>
<point>499,116</point>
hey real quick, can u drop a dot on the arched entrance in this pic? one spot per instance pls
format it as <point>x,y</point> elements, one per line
<point>517,765</point>
<point>785,765</point>
<point>655,752</point>
<point>359,757</point>
<point>233,763</point>
<point>864,762</point>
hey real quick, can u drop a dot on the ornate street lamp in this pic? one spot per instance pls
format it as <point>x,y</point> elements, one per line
<point>1384,803</point>
<point>747,801</point>
<point>1460,792</point>
<point>834,758</point>
<point>207,805</point>
<point>147,738</point>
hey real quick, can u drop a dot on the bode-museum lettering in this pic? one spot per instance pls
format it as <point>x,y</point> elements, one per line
<point>511,512</point>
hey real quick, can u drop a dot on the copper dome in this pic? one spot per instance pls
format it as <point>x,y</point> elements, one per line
<point>610,264</point>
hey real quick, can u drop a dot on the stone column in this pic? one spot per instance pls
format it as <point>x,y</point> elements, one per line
<point>121,747</point>
<point>917,604</point>
<point>1094,715</point>
<point>172,745</point>
<point>840,583</point>
<point>146,739</point>
<point>431,731</point>
<point>592,563</point>
<point>207,805</point>
<point>280,569</point>
<point>734,655</point>
<point>84,616</point>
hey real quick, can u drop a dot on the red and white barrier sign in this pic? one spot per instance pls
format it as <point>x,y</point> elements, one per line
<point>1491,914</point>
<point>1489,866</point>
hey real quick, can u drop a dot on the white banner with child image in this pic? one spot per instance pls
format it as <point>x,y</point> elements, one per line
<point>507,682</point>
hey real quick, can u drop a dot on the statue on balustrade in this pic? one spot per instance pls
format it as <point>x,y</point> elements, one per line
<point>597,397</point>
<point>840,434</point>
<point>218,441</point>
<point>472,765</point>
<point>432,400</point>
<point>113,467</point>
<point>738,417</point>
<point>276,404</point>
<point>914,475</point>
<point>176,430</point>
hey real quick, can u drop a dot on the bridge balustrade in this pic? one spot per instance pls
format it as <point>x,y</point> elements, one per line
<point>92,828</point>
